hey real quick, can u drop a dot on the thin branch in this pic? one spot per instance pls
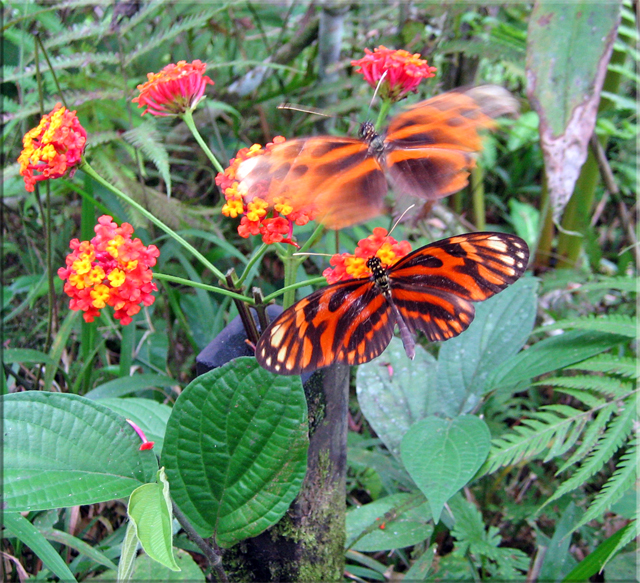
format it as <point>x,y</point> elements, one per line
<point>215,560</point>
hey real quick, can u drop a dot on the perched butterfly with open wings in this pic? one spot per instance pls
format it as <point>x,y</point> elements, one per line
<point>430,290</point>
<point>427,151</point>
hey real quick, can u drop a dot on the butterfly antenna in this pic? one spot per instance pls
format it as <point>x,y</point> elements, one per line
<point>377,87</point>
<point>303,109</point>
<point>400,218</point>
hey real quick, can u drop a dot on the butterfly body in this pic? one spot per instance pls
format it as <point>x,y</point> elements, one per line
<point>427,151</point>
<point>430,290</point>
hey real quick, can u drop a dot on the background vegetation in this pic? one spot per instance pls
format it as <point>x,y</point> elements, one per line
<point>556,497</point>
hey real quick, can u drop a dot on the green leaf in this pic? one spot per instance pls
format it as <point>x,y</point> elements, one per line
<point>236,449</point>
<point>144,568</point>
<point>558,560</point>
<point>423,565</point>
<point>396,521</point>
<point>595,560</point>
<point>126,385</point>
<point>151,514</point>
<point>568,49</point>
<point>16,525</point>
<point>128,554</point>
<point>501,326</point>
<point>11,355</point>
<point>612,323</point>
<point>442,455</point>
<point>63,450</point>
<point>150,416</point>
<point>550,354</point>
<point>75,543</point>
<point>393,392</point>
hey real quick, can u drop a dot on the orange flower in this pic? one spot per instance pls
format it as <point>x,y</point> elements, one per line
<point>52,148</point>
<point>274,222</point>
<point>380,244</point>
<point>110,270</point>
<point>401,70</point>
<point>173,90</point>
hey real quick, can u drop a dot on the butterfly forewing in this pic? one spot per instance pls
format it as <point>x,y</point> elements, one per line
<point>322,171</point>
<point>474,266</point>
<point>347,322</point>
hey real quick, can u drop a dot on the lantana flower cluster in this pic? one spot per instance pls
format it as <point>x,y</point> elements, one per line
<point>401,70</point>
<point>273,221</point>
<point>354,266</point>
<point>52,148</point>
<point>110,270</point>
<point>174,90</point>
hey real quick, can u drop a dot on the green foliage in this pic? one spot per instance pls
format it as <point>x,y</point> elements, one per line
<point>524,422</point>
<point>236,450</point>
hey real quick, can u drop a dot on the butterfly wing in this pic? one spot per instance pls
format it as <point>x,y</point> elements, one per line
<point>430,147</point>
<point>338,175</point>
<point>434,287</point>
<point>349,322</point>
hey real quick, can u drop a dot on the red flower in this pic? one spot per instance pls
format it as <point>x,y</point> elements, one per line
<point>173,90</point>
<point>111,269</point>
<point>146,444</point>
<point>52,148</point>
<point>379,244</point>
<point>274,222</point>
<point>402,71</point>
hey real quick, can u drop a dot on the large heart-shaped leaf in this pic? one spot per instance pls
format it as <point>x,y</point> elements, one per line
<point>443,455</point>
<point>236,449</point>
<point>499,330</point>
<point>64,450</point>
<point>393,392</point>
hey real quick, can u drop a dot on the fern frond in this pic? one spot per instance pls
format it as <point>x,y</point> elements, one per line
<point>584,396</point>
<point>545,428</point>
<point>624,366</point>
<point>146,138</point>
<point>621,480</point>
<point>611,323</point>
<point>594,430</point>
<point>81,32</point>
<point>73,98</point>
<point>609,386</point>
<point>612,439</point>
<point>626,284</point>
<point>632,531</point>
<point>62,62</point>
<point>143,15</point>
<point>193,21</point>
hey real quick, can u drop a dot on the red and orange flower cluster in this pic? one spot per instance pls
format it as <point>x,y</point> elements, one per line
<point>274,222</point>
<point>379,244</point>
<point>174,90</point>
<point>52,148</point>
<point>402,71</point>
<point>110,270</point>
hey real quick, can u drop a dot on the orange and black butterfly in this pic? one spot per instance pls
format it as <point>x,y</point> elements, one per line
<point>429,290</point>
<point>427,151</point>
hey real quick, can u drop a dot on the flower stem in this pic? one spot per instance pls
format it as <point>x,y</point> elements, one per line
<point>211,288</point>
<point>254,259</point>
<point>294,286</point>
<point>384,110</point>
<point>85,167</point>
<point>187,117</point>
